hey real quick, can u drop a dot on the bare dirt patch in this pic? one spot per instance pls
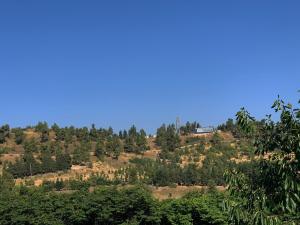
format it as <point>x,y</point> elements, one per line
<point>162,193</point>
<point>10,157</point>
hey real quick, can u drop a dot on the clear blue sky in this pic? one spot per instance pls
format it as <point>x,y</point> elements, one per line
<point>145,62</point>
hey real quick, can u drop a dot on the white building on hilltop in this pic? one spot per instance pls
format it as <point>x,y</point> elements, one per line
<point>204,130</point>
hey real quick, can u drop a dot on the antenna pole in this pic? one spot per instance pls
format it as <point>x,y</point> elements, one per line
<point>177,124</point>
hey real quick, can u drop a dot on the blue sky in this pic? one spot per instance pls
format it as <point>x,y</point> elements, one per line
<point>145,62</point>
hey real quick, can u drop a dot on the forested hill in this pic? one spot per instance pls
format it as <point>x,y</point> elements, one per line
<point>246,172</point>
<point>41,154</point>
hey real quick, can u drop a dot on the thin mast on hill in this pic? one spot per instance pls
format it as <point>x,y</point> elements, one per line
<point>177,124</point>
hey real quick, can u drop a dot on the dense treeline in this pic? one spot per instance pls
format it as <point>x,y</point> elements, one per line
<point>189,127</point>
<point>167,138</point>
<point>28,165</point>
<point>55,148</point>
<point>163,173</point>
<point>134,141</point>
<point>108,206</point>
<point>51,156</point>
<point>232,126</point>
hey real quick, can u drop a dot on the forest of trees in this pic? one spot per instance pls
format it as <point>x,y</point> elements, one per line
<point>108,206</point>
<point>56,149</point>
<point>262,191</point>
<point>189,127</point>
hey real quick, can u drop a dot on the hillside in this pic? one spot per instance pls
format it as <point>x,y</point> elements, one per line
<point>86,175</point>
<point>197,160</point>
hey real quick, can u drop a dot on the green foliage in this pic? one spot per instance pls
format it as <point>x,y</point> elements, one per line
<point>19,135</point>
<point>81,153</point>
<point>275,197</point>
<point>195,140</point>
<point>44,137</point>
<point>43,129</point>
<point>161,173</point>
<point>63,160</point>
<point>93,133</point>
<point>100,149</point>
<point>47,163</point>
<point>59,185</point>
<point>28,165</point>
<point>213,168</point>
<point>6,182</point>
<point>216,139</point>
<point>114,146</point>
<point>134,141</point>
<point>82,134</point>
<point>30,145</point>
<point>203,209</point>
<point>114,206</point>
<point>261,192</point>
<point>4,133</point>
<point>189,128</point>
<point>232,127</point>
<point>167,138</point>
<point>4,150</point>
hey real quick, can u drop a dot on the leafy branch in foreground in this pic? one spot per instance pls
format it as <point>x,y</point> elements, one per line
<point>272,197</point>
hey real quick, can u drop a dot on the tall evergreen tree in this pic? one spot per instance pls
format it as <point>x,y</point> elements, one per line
<point>93,133</point>
<point>19,135</point>
<point>4,133</point>
<point>30,145</point>
<point>63,160</point>
<point>100,149</point>
<point>114,146</point>
<point>47,163</point>
<point>82,153</point>
<point>42,127</point>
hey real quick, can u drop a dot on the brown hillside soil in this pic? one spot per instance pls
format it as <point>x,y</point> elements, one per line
<point>160,193</point>
<point>185,160</point>
<point>9,157</point>
<point>227,136</point>
<point>151,143</point>
<point>75,172</point>
<point>30,133</point>
<point>163,193</point>
<point>107,167</point>
<point>206,135</point>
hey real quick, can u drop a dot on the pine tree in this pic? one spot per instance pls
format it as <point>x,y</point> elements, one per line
<point>114,146</point>
<point>30,145</point>
<point>4,133</point>
<point>47,163</point>
<point>19,136</point>
<point>100,149</point>
<point>93,133</point>
<point>82,153</point>
<point>32,167</point>
<point>42,127</point>
<point>44,136</point>
<point>63,160</point>
<point>141,141</point>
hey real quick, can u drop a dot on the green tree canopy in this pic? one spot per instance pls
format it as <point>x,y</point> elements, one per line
<point>273,197</point>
